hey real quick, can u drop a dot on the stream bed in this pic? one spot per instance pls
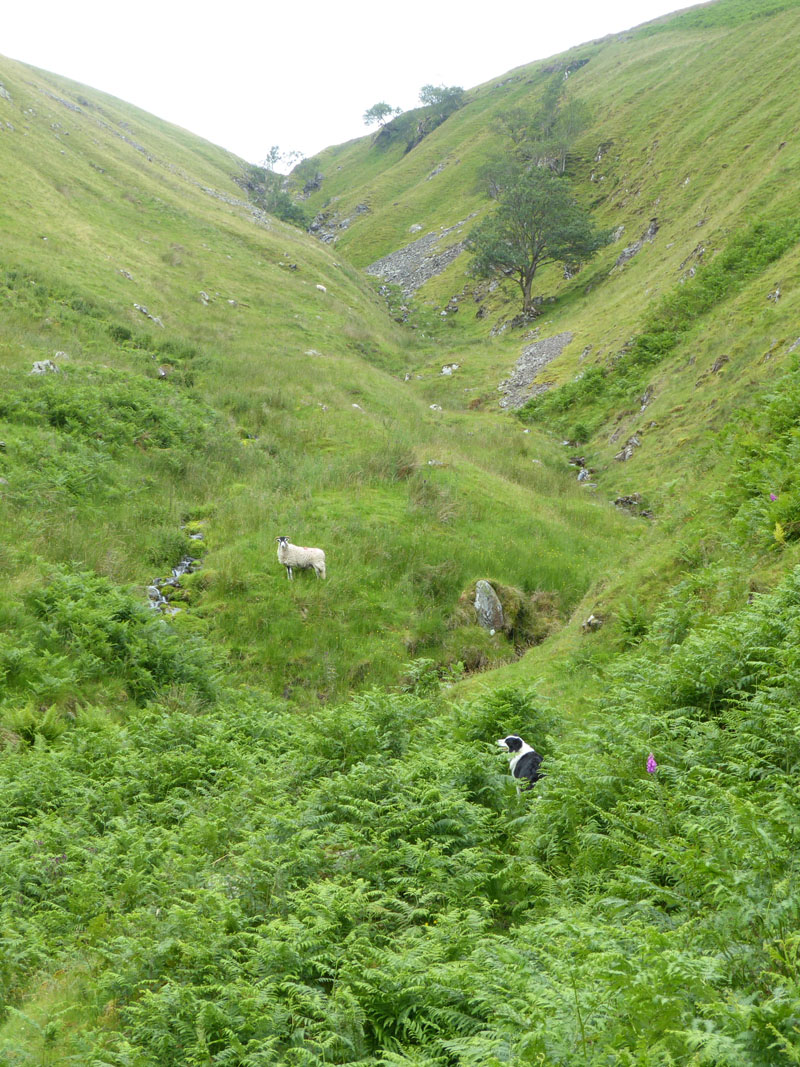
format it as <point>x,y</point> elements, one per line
<point>158,592</point>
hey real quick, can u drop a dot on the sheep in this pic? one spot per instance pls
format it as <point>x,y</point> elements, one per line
<point>292,556</point>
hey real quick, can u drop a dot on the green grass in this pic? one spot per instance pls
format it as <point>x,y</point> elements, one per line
<point>208,876</point>
<point>746,257</point>
<point>283,411</point>
<point>728,15</point>
<point>229,835</point>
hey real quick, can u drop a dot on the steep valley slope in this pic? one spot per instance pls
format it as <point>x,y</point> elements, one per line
<point>267,822</point>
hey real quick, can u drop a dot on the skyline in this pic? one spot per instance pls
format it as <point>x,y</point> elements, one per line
<point>310,90</point>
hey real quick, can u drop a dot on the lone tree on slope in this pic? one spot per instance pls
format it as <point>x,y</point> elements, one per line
<point>537,221</point>
<point>380,113</point>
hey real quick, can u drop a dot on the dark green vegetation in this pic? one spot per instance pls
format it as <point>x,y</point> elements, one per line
<point>537,221</point>
<point>274,828</point>
<point>410,127</point>
<point>543,134</point>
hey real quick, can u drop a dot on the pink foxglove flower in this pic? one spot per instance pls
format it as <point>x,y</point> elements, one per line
<point>772,496</point>
<point>652,766</point>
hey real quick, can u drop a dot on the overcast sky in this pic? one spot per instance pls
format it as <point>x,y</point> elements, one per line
<point>297,74</point>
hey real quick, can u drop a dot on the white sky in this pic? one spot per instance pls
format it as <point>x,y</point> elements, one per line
<point>299,73</point>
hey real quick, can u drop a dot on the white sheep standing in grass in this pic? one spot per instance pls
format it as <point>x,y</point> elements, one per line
<point>292,556</point>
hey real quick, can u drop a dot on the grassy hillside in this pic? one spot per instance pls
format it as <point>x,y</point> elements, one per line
<point>270,825</point>
<point>287,413</point>
<point>669,346</point>
<point>705,156</point>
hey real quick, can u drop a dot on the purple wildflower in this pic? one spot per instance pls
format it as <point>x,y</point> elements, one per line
<point>772,496</point>
<point>652,766</point>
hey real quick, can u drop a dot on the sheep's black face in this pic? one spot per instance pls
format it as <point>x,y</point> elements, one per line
<point>512,743</point>
<point>282,540</point>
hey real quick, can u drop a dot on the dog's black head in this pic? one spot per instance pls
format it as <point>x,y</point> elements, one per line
<point>512,743</point>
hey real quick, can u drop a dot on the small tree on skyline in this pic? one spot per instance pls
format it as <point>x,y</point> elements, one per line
<point>380,113</point>
<point>268,188</point>
<point>279,161</point>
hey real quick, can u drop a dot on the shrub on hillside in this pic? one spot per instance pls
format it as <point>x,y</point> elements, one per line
<point>105,406</point>
<point>267,189</point>
<point>507,710</point>
<point>81,633</point>
<point>762,494</point>
<point>112,631</point>
<point>439,102</point>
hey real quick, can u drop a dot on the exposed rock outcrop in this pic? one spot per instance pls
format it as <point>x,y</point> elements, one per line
<point>327,225</point>
<point>44,366</point>
<point>525,618</point>
<point>629,252</point>
<point>633,504</point>
<point>488,607</point>
<point>628,449</point>
<point>410,267</point>
<point>312,185</point>
<point>153,318</point>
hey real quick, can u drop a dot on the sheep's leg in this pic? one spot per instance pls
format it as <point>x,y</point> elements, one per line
<point>288,572</point>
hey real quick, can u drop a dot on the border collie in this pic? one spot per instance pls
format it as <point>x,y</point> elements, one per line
<point>524,762</point>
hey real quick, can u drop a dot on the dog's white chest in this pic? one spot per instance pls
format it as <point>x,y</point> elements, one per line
<point>517,756</point>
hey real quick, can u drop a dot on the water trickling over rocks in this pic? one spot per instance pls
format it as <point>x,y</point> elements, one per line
<point>161,589</point>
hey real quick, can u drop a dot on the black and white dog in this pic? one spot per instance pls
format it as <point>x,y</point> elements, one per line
<point>524,762</point>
